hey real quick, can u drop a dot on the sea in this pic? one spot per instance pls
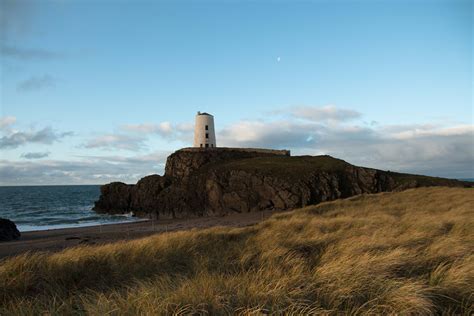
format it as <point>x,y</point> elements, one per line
<point>50,207</point>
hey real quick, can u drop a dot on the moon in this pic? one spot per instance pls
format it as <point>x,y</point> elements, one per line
<point>278,59</point>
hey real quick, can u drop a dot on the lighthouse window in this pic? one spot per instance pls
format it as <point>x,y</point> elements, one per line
<point>207,135</point>
<point>201,145</point>
<point>207,145</point>
<point>207,127</point>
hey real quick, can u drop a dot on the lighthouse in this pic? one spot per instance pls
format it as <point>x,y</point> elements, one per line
<point>204,135</point>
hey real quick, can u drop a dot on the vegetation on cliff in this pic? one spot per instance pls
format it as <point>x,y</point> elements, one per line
<point>409,252</point>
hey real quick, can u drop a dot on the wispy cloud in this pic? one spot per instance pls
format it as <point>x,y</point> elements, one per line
<point>15,23</point>
<point>268,134</point>
<point>163,128</point>
<point>167,130</point>
<point>35,155</point>
<point>20,53</point>
<point>116,141</point>
<point>407,132</point>
<point>45,135</point>
<point>133,137</point>
<point>324,113</point>
<point>36,83</point>
<point>84,170</point>
<point>6,122</point>
<point>15,16</point>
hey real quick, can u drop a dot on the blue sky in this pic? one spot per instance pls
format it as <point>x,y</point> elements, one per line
<point>98,91</point>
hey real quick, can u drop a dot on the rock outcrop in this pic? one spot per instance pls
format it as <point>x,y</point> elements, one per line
<point>219,181</point>
<point>8,230</point>
<point>115,198</point>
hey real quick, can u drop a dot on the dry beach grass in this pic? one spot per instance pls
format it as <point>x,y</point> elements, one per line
<point>409,252</point>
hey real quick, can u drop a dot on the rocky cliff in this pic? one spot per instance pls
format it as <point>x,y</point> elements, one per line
<point>219,181</point>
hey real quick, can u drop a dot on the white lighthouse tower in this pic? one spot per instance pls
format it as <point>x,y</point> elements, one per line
<point>204,135</point>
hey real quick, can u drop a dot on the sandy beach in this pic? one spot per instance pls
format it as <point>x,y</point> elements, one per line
<point>59,239</point>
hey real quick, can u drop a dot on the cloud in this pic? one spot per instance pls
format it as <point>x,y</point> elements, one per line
<point>432,149</point>
<point>167,130</point>
<point>16,52</point>
<point>15,16</point>
<point>262,134</point>
<point>36,83</point>
<point>45,135</point>
<point>132,137</point>
<point>163,128</point>
<point>325,113</point>
<point>427,149</point>
<point>84,170</point>
<point>15,23</point>
<point>6,122</point>
<point>116,141</point>
<point>430,153</point>
<point>35,155</point>
<point>401,132</point>
<point>157,157</point>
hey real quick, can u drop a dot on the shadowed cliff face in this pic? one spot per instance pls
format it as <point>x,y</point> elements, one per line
<point>222,181</point>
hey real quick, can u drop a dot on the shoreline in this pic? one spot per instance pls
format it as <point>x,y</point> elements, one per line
<point>54,240</point>
<point>50,228</point>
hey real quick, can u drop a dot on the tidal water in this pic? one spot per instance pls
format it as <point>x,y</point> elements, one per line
<point>48,207</point>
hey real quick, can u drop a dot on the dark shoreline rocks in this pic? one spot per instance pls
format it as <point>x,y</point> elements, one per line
<point>114,196</point>
<point>219,181</point>
<point>8,230</point>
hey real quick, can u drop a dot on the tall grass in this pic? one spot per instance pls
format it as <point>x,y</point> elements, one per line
<point>410,252</point>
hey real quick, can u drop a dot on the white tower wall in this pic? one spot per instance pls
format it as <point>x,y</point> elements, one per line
<point>204,134</point>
